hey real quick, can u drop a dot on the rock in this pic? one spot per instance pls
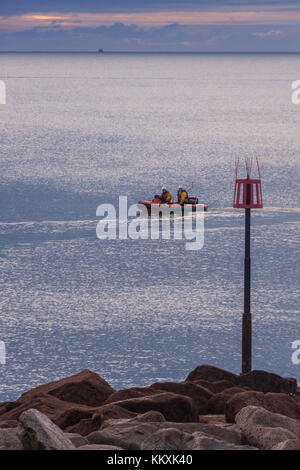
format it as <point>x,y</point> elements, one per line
<point>264,429</point>
<point>102,414</point>
<point>256,380</point>
<point>216,404</point>
<point>99,447</point>
<point>263,381</point>
<point>200,441</point>
<point>176,439</point>
<point>10,423</point>
<point>128,393</point>
<point>37,432</point>
<point>211,374</point>
<point>165,439</point>
<point>275,402</point>
<point>76,439</point>
<point>85,392</point>
<point>149,417</point>
<point>9,439</point>
<point>212,419</point>
<point>46,404</point>
<point>7,406</point>
<point>86,388</point>
<point>72,416</point>
<point>290,444</point>
<point>130,436</point>
<point>199,394</point>
<point>215,387</point>
<point>174,407</point>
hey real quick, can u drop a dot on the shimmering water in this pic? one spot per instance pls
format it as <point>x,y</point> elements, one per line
<point>81,129</point>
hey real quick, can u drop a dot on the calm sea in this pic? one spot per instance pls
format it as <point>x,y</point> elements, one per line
<point>79,130</point>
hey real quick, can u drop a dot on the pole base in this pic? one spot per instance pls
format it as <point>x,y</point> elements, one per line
<point>247,343</point>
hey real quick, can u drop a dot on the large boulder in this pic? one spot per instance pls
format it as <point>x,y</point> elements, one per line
<point>37,432</point>
<point>46,404</point>
<point>199,394</point>
<point>85,391</point>
<point>216,404</point>
<point>263,381</point>
<point>211,374</point>
<point>174,407</point>
<point>264,429</point>
<point>86,388</point>
<point>275,402</point>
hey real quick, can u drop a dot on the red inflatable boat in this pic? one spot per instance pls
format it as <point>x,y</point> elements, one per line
<point>157,203</point>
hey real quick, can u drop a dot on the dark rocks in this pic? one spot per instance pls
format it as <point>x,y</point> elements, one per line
<point>128,393</point>
<point>263,381</point>
<point>211,374</point>
<point>72,416</point>
<point>216,404</point>
<point>174,407</point>
<point>85,392</point>
<point>199,394</point>
<point>215,387</point>
<point>83,411</point>
<point>275,402</point>
<point>86,388</point>
<point>255,380</point>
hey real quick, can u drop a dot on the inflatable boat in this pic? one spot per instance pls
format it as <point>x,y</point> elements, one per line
<point>156,203</point>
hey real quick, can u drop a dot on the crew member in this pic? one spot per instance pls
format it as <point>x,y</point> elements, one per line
<point>182,196</point>
<point>165,196</point>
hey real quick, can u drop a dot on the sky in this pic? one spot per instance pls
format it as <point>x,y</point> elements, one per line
<point>150,25</point>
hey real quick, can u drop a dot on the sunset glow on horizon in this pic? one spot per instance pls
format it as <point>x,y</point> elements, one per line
<point>148,19</point>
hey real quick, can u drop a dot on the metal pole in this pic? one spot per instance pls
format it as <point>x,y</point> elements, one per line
<point>247,322</point>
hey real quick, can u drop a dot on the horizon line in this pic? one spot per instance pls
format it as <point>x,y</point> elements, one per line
<point>147,52</point>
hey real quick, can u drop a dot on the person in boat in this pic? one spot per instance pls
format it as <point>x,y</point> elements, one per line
<point>165,196</point>
<point>182,196</point>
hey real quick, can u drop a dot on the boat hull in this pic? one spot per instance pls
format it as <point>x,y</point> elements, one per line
<point>149,205</point>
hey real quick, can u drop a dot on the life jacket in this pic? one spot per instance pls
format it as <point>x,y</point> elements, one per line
<point>183,196</point>
<point>166,196</point>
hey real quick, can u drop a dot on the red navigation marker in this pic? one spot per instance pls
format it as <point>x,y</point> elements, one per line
<point>247,195</point>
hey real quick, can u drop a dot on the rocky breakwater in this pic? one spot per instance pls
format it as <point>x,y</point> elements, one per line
<point>212,409</point>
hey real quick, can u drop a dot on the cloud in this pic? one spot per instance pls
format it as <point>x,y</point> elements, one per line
<point>172,37</point>
<point>156,25</point>
<point>153,18</point>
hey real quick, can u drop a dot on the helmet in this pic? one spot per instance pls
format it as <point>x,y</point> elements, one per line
<point>163,188</point>
<point>179,187</point>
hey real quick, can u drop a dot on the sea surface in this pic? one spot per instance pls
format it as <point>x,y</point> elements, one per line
<point>80,130</point>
